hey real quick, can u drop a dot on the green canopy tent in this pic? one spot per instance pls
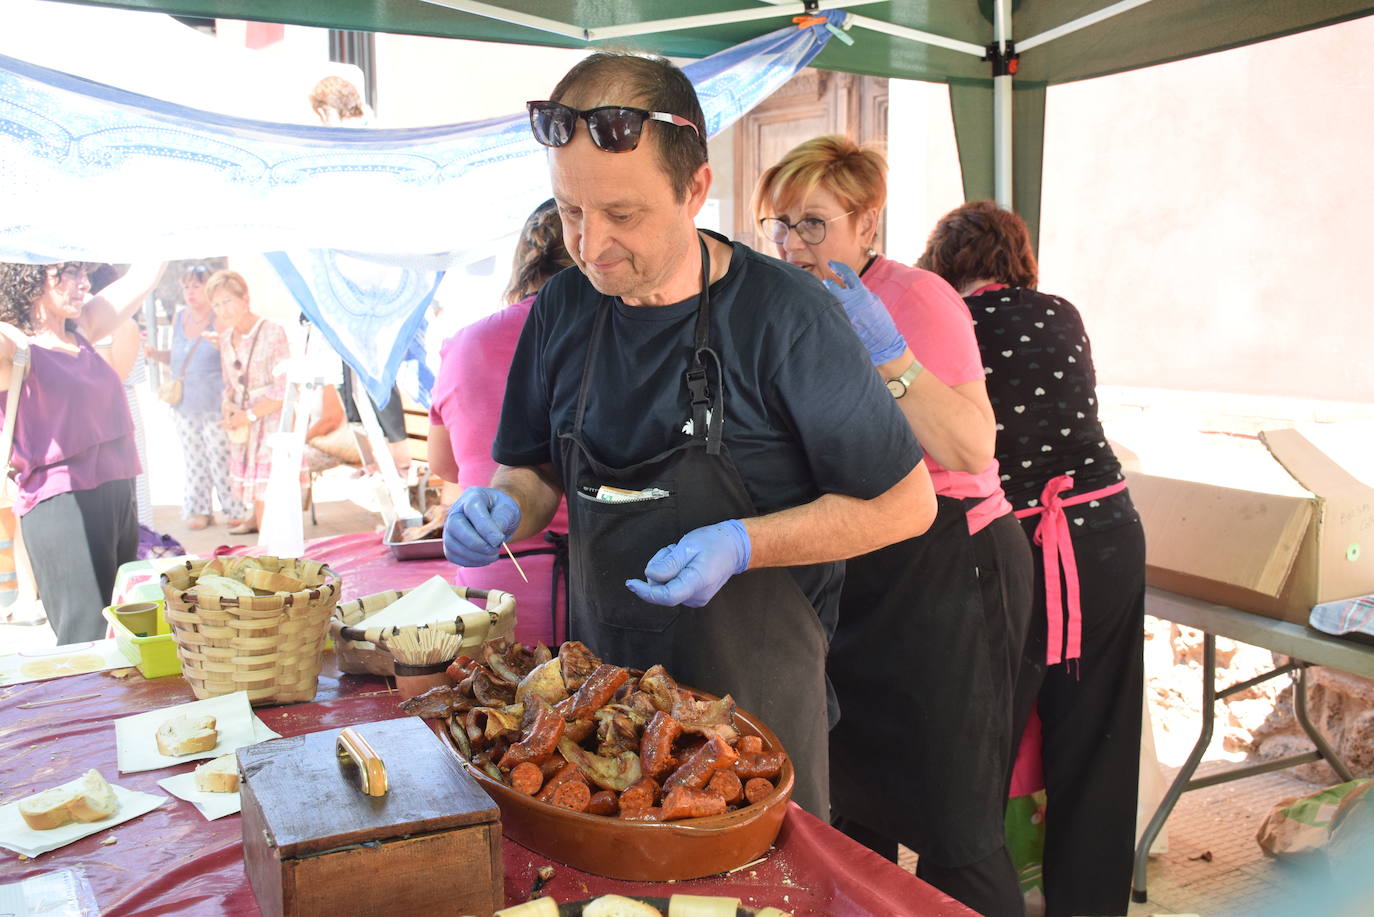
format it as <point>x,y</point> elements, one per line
<point>997,56</point>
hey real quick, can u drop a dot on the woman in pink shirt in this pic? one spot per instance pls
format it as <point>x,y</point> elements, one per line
<point>74,458</point>
<point>931,629</point>
<point>463,415</point>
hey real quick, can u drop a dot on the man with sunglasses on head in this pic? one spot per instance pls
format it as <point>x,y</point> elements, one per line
<point>707,409</point>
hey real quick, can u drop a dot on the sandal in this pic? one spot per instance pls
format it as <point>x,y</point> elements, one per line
<point>246,528</point>
<point>196,523</point>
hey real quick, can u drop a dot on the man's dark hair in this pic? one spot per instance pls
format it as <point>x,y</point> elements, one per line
<point>652,83</point>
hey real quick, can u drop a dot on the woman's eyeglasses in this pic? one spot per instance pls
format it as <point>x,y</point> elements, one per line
<point>613,128</point>
<point>810,230</point>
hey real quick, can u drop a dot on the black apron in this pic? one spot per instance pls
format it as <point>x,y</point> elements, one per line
<point>920,752</point>
<point>759,639</point>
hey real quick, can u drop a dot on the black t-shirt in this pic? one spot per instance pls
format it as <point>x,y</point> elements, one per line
<point>1043,389</point>
<point>804,412</point>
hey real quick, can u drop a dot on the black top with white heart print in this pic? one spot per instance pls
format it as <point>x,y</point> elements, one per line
<point>1039,370</point>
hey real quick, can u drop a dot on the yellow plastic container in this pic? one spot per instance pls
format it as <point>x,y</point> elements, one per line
<point>155,656</point>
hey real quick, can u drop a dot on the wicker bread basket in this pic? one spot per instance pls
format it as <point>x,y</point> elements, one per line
<point>271,646</point>
<point>362,657</point>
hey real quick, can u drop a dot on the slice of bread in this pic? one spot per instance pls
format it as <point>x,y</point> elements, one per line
<point>88,798</point>
<point>272,582</point>
<point>95,799</point>
<point>618,906</point>
<point>220,775</point>
<point>186,735</point>
<point>48,809</point>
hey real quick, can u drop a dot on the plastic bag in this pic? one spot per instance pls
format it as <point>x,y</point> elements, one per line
<point>155,544</point>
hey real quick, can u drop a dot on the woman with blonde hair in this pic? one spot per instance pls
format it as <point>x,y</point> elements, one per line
<point>251,347</point>
<point>930,632</point>
<point>466,407</point>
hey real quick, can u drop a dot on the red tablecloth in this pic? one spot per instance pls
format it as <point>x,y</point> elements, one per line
<point>173,861</point>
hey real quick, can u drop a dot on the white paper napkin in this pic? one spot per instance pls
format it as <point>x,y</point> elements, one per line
<point>211,805</point>
<point>16,835</point>
<point>136,736</point>
<point>431,601</point>
<point>54,662</point>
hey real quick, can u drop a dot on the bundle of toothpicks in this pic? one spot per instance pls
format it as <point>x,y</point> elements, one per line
<point>423,645</point>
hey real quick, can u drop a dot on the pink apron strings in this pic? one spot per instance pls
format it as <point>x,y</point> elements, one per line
<point>1053,537</point>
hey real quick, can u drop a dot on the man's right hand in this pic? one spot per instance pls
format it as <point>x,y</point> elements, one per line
<point>479,520</point>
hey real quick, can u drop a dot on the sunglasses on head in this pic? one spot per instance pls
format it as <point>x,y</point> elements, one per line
<point>613,128</point>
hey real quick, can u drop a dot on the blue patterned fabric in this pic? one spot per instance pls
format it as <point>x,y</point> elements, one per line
<point>364,221</point>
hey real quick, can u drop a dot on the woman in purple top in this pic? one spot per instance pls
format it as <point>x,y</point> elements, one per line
<point>74,458</point>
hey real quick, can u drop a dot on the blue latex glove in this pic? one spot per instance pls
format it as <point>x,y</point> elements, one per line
<point>479,520</point>
<point>870,318</point>
<point>693,570</point>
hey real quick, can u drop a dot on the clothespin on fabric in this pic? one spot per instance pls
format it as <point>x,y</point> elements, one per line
<point>809,18</point>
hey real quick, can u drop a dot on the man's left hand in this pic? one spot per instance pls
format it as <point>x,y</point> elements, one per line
<point>692,571</point>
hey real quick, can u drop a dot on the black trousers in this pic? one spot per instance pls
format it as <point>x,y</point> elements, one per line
<point>988,886</point>
<point>924,662</point>
<point>1090,713</point>
<point>76,542</point>
<point>1006,577</point>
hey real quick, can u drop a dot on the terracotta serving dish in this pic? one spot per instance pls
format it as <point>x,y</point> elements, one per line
<point>574,908</point>
<point>646,851</point>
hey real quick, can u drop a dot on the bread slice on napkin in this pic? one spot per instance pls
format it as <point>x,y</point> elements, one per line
<point>186,735</point>
<point>220,775</point>
<point>88,798</point>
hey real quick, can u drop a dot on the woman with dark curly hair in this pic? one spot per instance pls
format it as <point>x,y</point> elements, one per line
<point>1085,655</point>
<point>74,458</point>
<point>467,405</point>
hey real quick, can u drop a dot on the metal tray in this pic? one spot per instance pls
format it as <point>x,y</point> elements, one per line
<point>427,549</point>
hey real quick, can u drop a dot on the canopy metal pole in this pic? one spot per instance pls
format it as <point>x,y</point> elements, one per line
<point>528,20</point>
<point>929,38</point>
<point>708,19</point>
<point>544,24</point>
<point>1081,22</point>
<point>1002,106</point>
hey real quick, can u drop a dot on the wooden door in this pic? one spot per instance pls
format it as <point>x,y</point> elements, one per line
<point>812,103</point>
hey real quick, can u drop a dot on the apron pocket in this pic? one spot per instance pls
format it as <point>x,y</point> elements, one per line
<point>637,530</point>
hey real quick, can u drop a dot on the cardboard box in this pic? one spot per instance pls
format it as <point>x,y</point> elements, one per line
<point>1275,551</point>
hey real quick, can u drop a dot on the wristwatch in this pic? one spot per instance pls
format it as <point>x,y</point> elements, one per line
<point>252,418</point>
<point>898,386</point>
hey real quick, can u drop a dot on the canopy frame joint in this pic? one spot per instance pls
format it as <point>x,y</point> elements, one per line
<point>1005,61</point>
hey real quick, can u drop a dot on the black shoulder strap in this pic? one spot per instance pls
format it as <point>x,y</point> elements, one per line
<point>705,423</point>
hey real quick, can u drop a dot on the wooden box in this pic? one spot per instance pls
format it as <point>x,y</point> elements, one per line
<point>315,844</point>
